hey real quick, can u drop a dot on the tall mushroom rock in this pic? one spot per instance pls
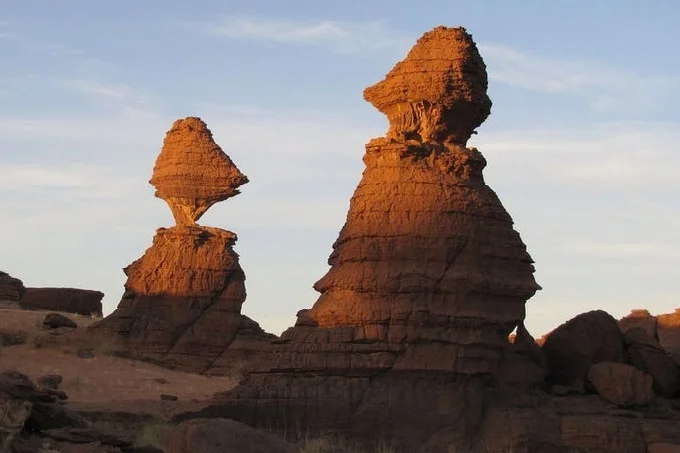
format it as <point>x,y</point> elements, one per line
<point>427,278</point>
<point>182,301</point>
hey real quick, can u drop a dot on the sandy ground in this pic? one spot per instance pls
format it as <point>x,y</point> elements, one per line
<point>103,382</point>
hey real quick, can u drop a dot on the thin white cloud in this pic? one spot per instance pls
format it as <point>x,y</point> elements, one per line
<point>604,88</point>
<point>341,37</point>
<point>98,91</point>
<point>623,155</point>
<point>621,250</point>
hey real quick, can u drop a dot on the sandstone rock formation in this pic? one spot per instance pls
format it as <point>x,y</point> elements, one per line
<point>182,302</point>
<point>71,300</point>
<point>621,384</point>
<point>585,340</point>
<point>192,172</point>
<point>408,341</point>
<point>646,354</point>
<point>428,276</point>
<point>665,328</point>
<point>11,289</point>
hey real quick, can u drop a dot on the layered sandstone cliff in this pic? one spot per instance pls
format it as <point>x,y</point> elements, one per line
<point>183,297</point>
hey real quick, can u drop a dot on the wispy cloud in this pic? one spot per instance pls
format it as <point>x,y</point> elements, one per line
<point>604,88</point>
<point>341,37</point>
<point>112,92</point>
<point>616,155</point>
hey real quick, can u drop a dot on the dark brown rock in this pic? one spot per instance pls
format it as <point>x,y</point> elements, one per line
<point>11,337</point>
<point>11,289</point>
<point>668,333</point>
<point>621,384</point>
<point>192,172</point>
<point>639,318</point>
<point>585,340</point>
<point>49,381</point>
<point>57,320</point>
<point>646,354</point>
<point>70,300</point>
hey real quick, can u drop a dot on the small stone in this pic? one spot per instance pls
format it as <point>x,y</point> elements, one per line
<point>166,397</point>
<point>86,353</point>
<point>50,381</point>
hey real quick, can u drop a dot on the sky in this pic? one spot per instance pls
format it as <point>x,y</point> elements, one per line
<point>582,141</point>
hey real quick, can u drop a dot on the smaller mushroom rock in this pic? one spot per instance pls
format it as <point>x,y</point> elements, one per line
<point>192,172</point>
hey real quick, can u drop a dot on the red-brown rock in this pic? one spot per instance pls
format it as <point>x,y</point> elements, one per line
<point>70,300</point>
<point>182,301</point>
<point>11,289</point>
<point>646,354</point>
<point>192,172</point>
<point>585,340</point>
<point>427,279</point>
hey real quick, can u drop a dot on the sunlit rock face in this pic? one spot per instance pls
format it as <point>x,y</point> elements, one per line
<point>183,297</point>
<point>427,278</point>
<point>192,172</point>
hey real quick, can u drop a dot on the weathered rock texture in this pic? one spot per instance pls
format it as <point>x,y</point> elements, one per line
<point>428,276</point>
<point>192,172</point>
<point>182,301</point>
<point>663,328</point>
<point>71,300</point>
<point>11,289</point>
<point>408,340</point>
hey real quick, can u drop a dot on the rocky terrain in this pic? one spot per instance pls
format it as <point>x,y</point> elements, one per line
<point>182,302</point>
<point>416,343</point>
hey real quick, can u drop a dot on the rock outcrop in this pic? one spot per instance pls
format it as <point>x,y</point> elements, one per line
<point>192,172</point>
<point>70,300</point>
<point>664,328</point>
<point>11,289</point>
<point>182,302</point>
<point>408,341</point>
<point>585,340</point>
<point>427,280</point>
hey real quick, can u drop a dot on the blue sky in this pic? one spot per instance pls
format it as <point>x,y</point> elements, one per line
<point>582,141</point>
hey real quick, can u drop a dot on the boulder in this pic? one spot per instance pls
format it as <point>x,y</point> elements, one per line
<point>70,300</point>
<point>221,435</point>
<point>646,354</point>
<point>621,384</point>
<point>639,318</point>
<point>584,340</point>
<point>57,320</point>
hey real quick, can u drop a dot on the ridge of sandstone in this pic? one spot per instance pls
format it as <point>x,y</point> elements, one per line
<point>11,289</point>
<point>182,302</point>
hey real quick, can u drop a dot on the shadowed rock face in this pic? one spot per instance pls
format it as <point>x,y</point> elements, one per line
<point>11,289</point>
<point>427,279</point>
<point>182,301</point>
<point>71,300</point>
<point>192,172</point>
